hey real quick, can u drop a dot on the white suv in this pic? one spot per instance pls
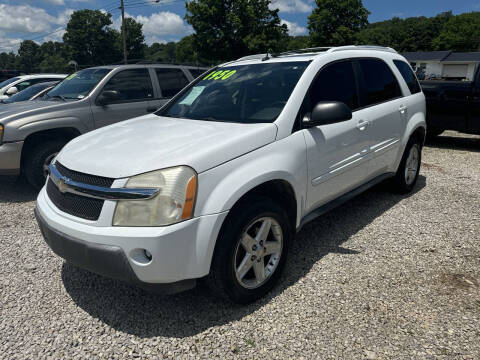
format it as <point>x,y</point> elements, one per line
<point>18,83</point>
<point>216,183</point>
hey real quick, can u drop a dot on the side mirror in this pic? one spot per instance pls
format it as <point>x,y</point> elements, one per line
<point>327,112</point>
<point>11,90</point>
<point>108,96</point>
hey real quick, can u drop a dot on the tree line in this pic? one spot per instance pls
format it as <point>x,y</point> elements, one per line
<point>228,29</point>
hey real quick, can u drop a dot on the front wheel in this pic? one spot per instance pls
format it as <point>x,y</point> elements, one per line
<point>37,161</point>
<point>409,168</point>
<point>251,251</point>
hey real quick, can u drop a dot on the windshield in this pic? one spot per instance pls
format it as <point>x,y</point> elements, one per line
<point>246,93</point>
<point>9,81</point>
<point>78,85</point>
<point>27,93</point>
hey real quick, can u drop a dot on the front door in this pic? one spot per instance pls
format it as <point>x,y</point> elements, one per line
<point>134,93</point>
<point>337,154</point>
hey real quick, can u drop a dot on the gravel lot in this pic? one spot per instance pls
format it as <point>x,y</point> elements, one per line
<point>384,277</point>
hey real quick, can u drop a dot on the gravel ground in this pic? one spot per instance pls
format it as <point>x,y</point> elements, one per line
<point>384,277</point>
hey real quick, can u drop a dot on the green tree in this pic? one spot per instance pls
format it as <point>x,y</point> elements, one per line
<point>54,64</point>
<point>460,33</point>
<point>411,34</point>
<point>8,61</point>
<point>185,51</point>
<point>134,38</point>
<point>89,38</point>
<point>335,22</point>
<point>28,56</point>
<point>229,29</point>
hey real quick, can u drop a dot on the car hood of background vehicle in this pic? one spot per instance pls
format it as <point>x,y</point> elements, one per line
<point>19,110</point>
<point>151,143</point>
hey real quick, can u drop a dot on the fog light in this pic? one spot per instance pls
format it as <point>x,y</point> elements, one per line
<point>148,255</point>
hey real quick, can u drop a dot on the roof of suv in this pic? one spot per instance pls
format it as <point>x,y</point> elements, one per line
<point>147,64</point>
<point>33,76</point>
<point>308,54</point>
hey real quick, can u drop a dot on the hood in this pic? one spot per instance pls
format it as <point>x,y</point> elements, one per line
<point>13,111</point>
<point>151,143</point>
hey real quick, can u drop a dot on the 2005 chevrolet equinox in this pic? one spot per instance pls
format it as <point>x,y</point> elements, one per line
<point>216,183</point>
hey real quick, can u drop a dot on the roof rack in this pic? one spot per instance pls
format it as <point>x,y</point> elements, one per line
<point>321,49</point>
<point>363,47</point>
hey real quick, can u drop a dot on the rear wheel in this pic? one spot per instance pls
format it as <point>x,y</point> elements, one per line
<point>37,161</point>
<point>251,250</point>
<point>409,168</point>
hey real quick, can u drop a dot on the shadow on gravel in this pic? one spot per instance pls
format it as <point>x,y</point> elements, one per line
<point>146,315</point>
<point>455,143</point>
<point>16,191</point>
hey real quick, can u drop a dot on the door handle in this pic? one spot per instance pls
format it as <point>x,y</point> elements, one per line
<point>151,109</point>
<point>403,109</point>
<point>362,125</point>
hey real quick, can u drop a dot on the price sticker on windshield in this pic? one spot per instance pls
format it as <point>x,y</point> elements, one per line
<point>220,75</point>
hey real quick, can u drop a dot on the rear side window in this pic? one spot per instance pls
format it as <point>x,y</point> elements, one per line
<point>196,72</point>
<point>131,85</point>
<point>171,81</point>
<point>335,82</point>
<point>408,76</point>
<point>379,82</point>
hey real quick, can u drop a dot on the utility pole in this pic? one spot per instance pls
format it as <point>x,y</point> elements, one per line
<point>122,7</point>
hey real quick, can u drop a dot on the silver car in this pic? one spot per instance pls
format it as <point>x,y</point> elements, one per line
<point>33,132</point>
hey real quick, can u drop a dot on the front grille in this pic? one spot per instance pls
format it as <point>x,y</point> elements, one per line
<point>77,205</point>
<point>84,178</point>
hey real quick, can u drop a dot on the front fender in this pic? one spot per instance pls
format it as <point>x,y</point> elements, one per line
<point>222,187</point>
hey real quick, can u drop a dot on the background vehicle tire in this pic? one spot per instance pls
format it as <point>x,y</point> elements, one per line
<point>37,159</point>
<point>409,168</point>
<point>256,235</point>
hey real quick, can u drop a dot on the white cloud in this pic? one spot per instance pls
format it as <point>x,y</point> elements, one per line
<point>293,28</point>
<point>8,44</point>
<point>55,2</point>
<point>28,22</point>
<point>159,26</point>
<point>292,6</point>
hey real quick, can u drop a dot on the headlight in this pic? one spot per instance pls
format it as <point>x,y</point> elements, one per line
<point>174,203</point>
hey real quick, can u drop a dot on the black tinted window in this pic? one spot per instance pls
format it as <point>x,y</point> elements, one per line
<point>196,72</point>
<point>131,85</point>
<point>335,82</point>
<point>408,76</point>
<point>171,81</point>
<point>380,84</point>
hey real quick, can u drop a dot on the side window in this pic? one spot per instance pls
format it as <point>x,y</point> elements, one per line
<point>408,76</point>
<point>335,82</point>
<point>171,81</point>
<point>131,85</point>
<point>379,82</point>
<point>196,72</point>
<point>23,85</point>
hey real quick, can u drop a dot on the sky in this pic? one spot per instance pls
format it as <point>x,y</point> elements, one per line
<point>44,20</point>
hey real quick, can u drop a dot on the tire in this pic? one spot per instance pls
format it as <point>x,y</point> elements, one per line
<point>33,167</point>
<point>230,252</point>
<point>404,181</point>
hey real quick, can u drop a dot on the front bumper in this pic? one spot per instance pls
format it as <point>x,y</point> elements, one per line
<point>10,156</point>
<point>178,252</point>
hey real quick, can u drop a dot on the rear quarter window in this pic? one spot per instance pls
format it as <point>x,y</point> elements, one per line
<point>408,76</point>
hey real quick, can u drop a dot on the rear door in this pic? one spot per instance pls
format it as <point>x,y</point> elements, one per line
<point>135,93</point>
<point>170,81</point>
<point>336,153</point>
<point>385,110</point>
